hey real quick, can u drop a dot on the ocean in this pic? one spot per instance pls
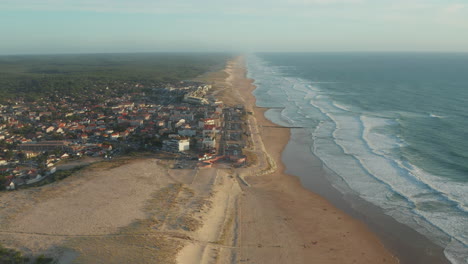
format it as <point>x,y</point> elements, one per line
<point>391,127</point>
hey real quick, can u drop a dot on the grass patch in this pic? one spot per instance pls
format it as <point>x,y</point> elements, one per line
<point>57,176</point>
<point>12,256</point>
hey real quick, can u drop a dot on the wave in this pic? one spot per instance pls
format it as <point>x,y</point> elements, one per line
<point>358,147</point>
<point>342,106</point>
<point>436,116</point>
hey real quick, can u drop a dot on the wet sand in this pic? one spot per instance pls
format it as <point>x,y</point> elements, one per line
<point>405,243</point>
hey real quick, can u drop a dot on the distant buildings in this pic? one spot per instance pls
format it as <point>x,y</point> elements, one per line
<point>39,134</point>
<point>197,95</point>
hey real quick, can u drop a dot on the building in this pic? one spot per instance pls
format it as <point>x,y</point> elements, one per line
<point>209,143</point>
<point>176,145</point>
<point>187,132</point>
<point>195,100</point>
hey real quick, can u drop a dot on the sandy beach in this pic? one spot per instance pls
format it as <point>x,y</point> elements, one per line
<point>294,197</point>
<point>280,221</point>
<point>130,210</point>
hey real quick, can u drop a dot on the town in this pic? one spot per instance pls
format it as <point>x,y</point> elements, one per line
<point>183,119</point>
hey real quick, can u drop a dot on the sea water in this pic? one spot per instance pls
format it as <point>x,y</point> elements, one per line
<point>392,126</point>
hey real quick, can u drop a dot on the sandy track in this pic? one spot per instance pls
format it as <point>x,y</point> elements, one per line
<point>218,231</point>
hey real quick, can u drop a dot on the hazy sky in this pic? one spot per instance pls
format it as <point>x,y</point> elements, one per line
<point>64,26</point>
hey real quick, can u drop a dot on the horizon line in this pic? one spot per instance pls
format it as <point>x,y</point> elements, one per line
<point>221,52</point>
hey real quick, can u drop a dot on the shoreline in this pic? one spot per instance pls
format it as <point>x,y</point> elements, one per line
<point>403,242</point>
<point>279,211</point>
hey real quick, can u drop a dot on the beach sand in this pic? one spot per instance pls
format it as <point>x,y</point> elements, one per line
<point>399,239</point>
<point>279,220</point>
<point>130,210</point>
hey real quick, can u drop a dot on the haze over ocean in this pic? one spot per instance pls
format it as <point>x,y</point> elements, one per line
<point>393,126</point>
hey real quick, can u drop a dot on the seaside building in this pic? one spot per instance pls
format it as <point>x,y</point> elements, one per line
<point>195,100</point>
<point>209,143</point>
<point>176,145</point>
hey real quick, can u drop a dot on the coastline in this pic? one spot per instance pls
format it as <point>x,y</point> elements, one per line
<point>287,222</point>
<point>405,243</point>
<point>299,164</point>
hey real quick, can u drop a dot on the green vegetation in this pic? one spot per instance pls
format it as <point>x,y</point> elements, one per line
<point>59,175</point>
<point>34,76</point>
<point>11,256</point>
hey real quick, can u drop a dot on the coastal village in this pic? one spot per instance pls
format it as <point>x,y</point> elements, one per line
<point>183,120</point>
<point>148,194</point>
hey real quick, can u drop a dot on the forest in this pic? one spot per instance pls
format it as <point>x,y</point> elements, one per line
<point>32,76</point>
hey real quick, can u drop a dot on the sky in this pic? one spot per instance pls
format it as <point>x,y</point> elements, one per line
<point>96,26</point>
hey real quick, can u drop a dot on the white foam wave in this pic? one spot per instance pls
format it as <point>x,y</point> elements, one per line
<point>355,148</point>
<point>456,253</point>
<point>371,152</point>
<point>341,106</point>
<point>436,116</point>
<point>380,143</point>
